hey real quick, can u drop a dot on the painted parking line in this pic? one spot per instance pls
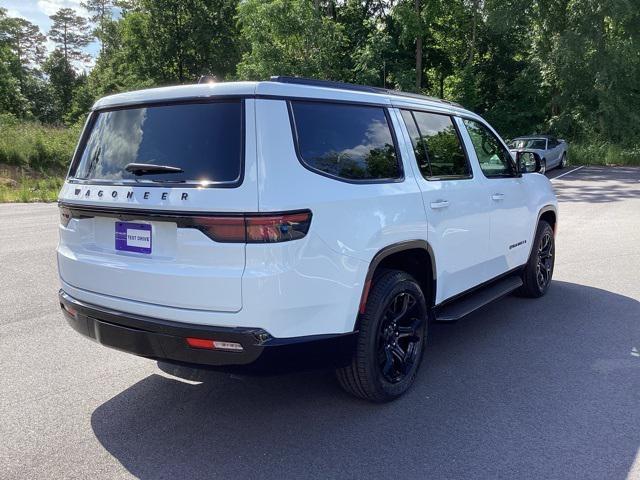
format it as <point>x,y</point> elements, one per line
<point>567,173</point>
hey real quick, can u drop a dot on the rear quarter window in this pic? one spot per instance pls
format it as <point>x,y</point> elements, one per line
<point>204,140</point>
<point>348,142</point>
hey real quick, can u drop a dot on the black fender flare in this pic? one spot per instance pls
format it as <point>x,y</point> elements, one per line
<point>391,250</point>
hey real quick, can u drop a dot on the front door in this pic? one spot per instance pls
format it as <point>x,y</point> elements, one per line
<point>505,190</point>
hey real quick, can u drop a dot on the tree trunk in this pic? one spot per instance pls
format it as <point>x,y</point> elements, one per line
<point>474,27</point>
<point>66,55</point>
<point>418,49</point>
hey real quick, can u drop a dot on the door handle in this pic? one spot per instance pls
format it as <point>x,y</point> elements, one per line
<point>497,196</point>
<point>440,204</point>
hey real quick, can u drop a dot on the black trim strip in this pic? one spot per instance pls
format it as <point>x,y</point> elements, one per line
<point>165,340</point>
<point>480,286</point>
<point>183,219</point>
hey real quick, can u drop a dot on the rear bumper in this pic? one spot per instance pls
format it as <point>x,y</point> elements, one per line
<point>166,340</point>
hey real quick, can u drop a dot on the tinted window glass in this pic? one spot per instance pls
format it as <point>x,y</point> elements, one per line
<point>348,141</point>
<point>418,146</point>
<point>204,140</point>
<point>495,160</point>
<point>437,146</point>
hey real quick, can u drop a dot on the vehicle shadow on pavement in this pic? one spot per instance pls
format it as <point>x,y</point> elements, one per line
<point>546,388</point>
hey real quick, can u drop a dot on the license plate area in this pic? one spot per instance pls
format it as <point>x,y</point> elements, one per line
<point>133,237</point>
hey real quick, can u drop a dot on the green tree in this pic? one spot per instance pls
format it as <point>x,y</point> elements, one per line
<point>101,14</point>
<point>11,98</point>
<point>27,44</point>
<point>289,37</point>
<point>71,34</point>
<point>62,78</point>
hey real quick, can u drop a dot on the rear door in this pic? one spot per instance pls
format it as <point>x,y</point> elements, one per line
<point>456,204</point>
<point>152,234</point>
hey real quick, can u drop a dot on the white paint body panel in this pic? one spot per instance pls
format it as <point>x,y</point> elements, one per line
<point>304,287</point>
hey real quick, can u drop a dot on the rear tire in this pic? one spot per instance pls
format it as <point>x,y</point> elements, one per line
<point>538,271</point>
<point>390,346</point>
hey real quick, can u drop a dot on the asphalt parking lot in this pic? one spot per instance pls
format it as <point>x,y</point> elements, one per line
<point>546,388</point>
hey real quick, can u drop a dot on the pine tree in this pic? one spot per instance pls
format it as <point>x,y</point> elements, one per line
<point>26,42</point>
<point>100,11</point>
<point>71,33</point>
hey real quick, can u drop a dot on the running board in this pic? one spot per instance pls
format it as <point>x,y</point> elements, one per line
<point>479,298</point>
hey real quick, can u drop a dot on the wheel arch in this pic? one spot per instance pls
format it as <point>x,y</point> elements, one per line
<point>407,256</point>
<point>549,214</point>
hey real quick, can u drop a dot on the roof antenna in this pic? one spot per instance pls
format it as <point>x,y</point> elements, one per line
<point>207,79</point>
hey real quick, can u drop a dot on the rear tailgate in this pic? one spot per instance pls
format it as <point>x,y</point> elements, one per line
<point>134,236</point>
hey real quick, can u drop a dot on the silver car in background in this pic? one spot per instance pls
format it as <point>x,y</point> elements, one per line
<point>552,151</point>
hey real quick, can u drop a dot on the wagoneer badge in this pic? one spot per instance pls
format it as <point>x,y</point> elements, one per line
<point>130,195</point>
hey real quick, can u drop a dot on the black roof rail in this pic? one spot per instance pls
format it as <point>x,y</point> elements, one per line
<point>313,82</point>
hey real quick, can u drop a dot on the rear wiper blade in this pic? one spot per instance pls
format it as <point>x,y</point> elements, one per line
<point>149,168</point>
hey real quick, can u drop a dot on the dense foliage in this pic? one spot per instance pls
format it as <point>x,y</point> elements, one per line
<point>569,67</point>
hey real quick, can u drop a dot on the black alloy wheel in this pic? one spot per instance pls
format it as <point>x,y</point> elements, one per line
<point>538,271</point>
<point>392,333</point>
<point>544,266</point>
<point>399,338</point>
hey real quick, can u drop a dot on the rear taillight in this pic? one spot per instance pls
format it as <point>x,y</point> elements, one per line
<point>277,228</point>
<point>65,216</point>
<point>222,229</point>
<point>255,228</point>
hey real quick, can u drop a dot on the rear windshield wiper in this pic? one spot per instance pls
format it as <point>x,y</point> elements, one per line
<point>149,168</point>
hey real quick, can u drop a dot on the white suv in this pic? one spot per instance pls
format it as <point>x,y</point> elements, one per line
<point>294,223</point>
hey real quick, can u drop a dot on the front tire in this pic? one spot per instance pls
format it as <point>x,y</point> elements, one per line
<point>563,161</point>
<point>393,331</point>
<point>538,271</point>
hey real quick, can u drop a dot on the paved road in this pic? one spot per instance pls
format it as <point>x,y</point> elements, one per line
<point>522,389</point>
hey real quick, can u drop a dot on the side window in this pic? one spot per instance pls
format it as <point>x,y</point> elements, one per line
<point>494,159</point>
<point>418,148</point>
<point>351,142</point>
<point>437,146</point>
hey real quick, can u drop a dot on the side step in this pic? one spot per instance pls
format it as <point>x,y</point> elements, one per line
<point>476,299</point>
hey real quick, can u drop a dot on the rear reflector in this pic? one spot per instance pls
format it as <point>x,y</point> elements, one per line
<point>200,343</point>
<point>208,344</point>
<point>70,310</point>
<point>252,228</point>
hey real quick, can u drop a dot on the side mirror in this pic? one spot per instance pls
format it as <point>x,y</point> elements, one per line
<point>528,162</point>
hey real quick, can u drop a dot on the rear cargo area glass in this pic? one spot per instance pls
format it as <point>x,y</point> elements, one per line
<point>204,140</point>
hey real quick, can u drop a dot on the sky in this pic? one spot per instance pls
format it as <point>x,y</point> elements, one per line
<point>38,11</point>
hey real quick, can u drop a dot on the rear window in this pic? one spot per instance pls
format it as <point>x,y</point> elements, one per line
<point>204,140</point>
<point>350,142</point>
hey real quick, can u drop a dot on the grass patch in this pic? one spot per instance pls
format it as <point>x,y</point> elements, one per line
<point>603,154</point>
<point>39,148</point>
<point>32,190</point>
